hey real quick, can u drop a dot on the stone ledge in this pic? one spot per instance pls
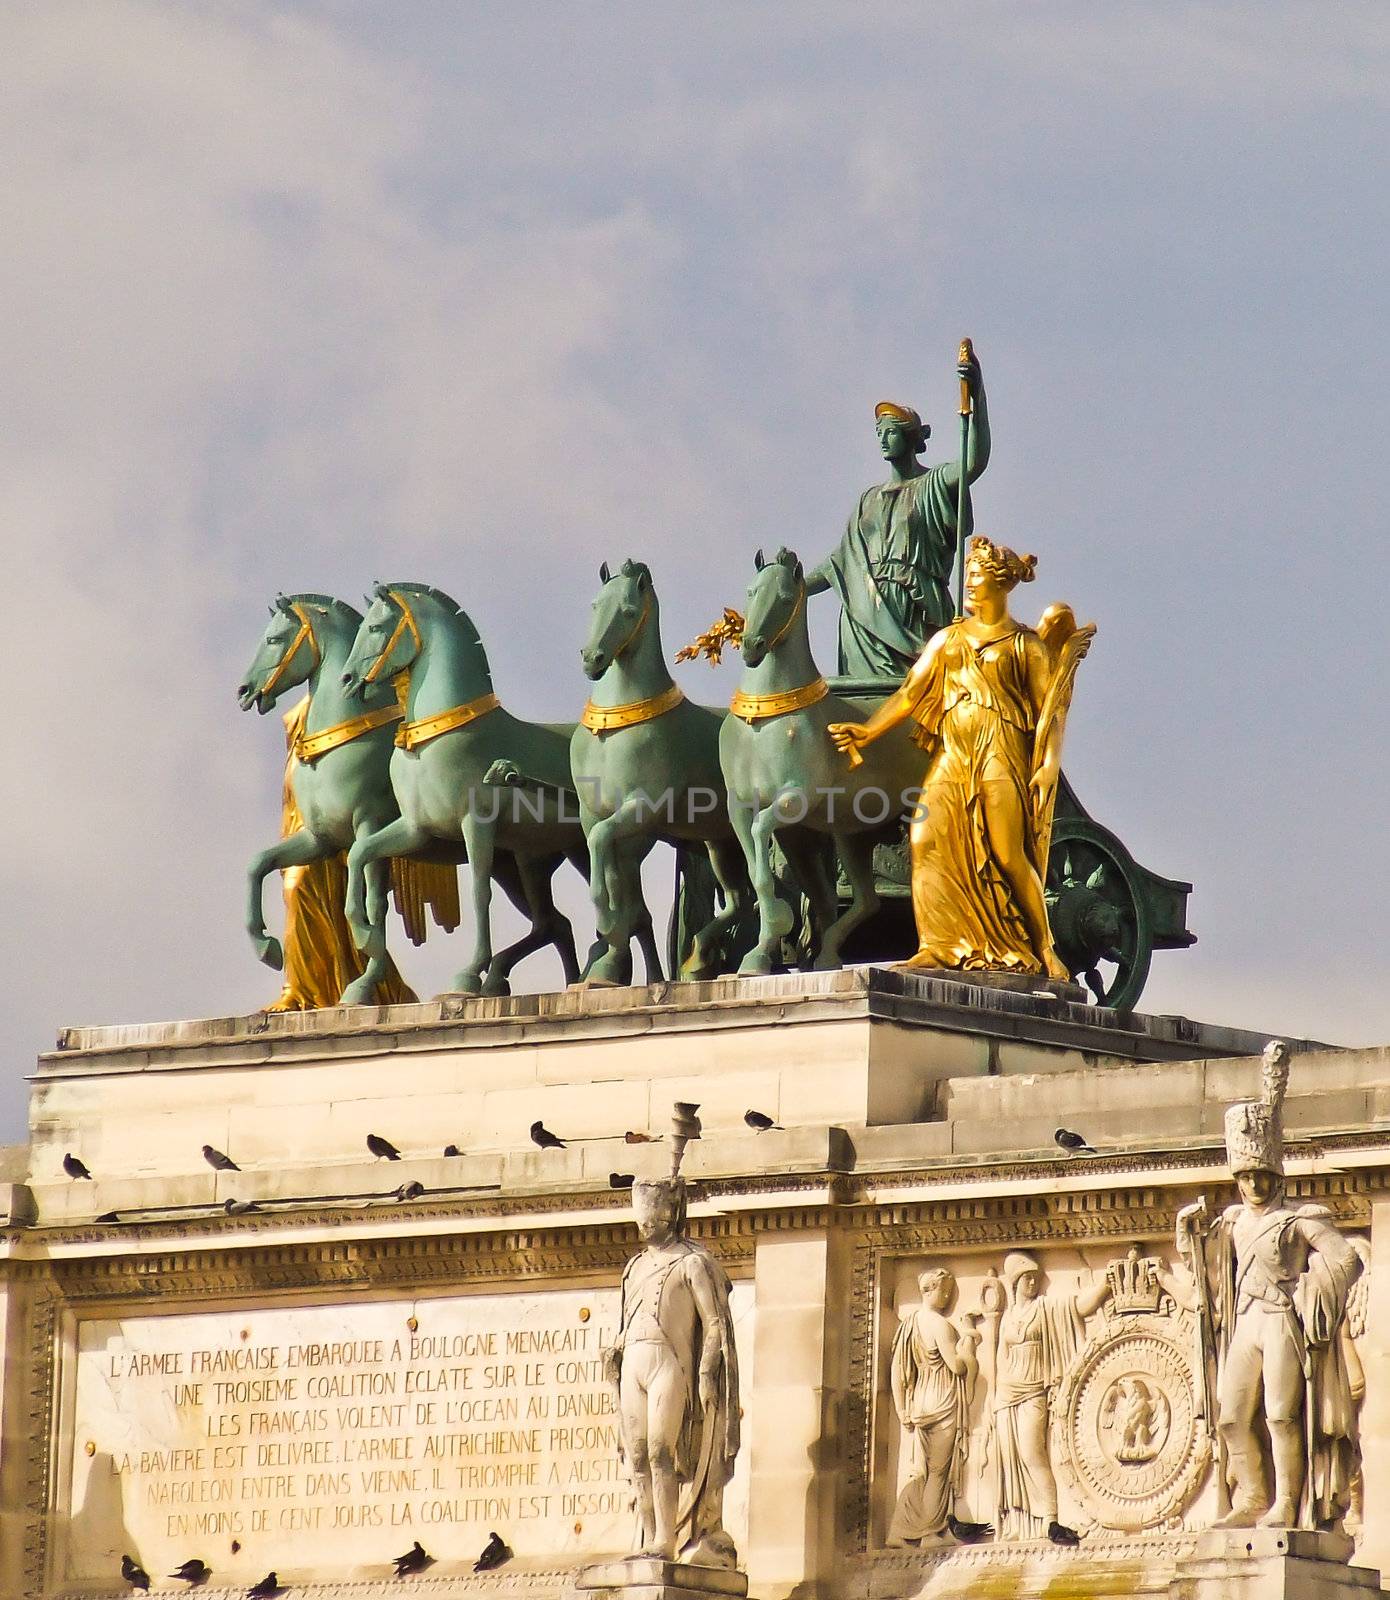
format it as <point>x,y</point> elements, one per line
<point>881,993</point>
<point>647,1571</point>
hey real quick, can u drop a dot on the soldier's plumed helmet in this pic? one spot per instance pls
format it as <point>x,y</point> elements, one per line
<point>1255,1128</point>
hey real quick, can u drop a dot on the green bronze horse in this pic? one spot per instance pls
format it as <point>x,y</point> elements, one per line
<point>454,744</point>
<point>787,781</point>
<point>645,762</point>
<point>341,779</point>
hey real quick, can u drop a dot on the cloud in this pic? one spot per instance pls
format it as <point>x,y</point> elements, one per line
<point>300,296</point>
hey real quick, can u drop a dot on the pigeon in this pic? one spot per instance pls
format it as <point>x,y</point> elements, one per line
<point>760,1122</point>
<point>109,1216</point>
<point>133,1573</point>
<point>452,1150</point>
<point>496,1552</point>
<point>218,1161</point>
<point>75,1167</point>
<point>542,1136</point>
<point>381,1148</point>
<point>969,1532</point>
<point>633,1137</point>
<point>269,1585</point>
<point>410,1191</point>
<point>239,1208</point>
<point>1059,1533</point>
<point>621,1180</point>
<point>416,1559</point>
<point>1072,1143</point>
<point>193,1572</point>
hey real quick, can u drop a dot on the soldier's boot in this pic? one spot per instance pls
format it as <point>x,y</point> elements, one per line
<point>1286,1442</point>
<point>1245,1474</point>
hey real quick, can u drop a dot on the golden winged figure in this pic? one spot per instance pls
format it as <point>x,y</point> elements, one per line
<point>990,698</point>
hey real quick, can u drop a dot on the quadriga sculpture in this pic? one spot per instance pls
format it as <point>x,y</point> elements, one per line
<point>786,779</point>
<point>645,762</point>
<point>338,791</point>
<point>464,768</point>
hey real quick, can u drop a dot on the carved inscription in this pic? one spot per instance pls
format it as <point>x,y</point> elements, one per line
<point>332,1435</point>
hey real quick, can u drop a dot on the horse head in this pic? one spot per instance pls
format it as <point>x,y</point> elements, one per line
<point>388,638</point>
<point>290,650</point>
<point>621,612</point>
<point>775,597</point>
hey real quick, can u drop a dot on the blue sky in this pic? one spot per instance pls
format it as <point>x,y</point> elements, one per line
<point>300,296</point>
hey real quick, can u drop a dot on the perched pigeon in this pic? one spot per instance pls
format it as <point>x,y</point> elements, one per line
<point>1072,1143</point>
<point>239,1208</point>
<point>621,1180</point>
<point>269,1585</point>
<point>542,1136</point>
<point>633,1137</point>
<point>969,1532</point>
<point>75,1167</point>
<point>133,1573</point>
<point>452,1150</point>
<point>496,1552</point>
<point>193,1572</point>
<point>410,1191</point>
<point>218,1161</point>
<point>416,1559</point>
<point>109,1216</point>
<point>760,1122</point>
<point>381,1148</point>
<point>1059,1533</point>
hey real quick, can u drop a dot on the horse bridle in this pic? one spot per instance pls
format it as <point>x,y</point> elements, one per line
<point>406,624</point>
<point>637,626</point>
<point>306,631</point>
<point>781,633</point>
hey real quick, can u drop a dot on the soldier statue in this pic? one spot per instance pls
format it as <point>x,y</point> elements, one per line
<point>676,1371</point>
<point>1272,1282</point>
<point>892,569</point>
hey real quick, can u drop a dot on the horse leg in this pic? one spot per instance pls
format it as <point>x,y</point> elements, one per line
<point>480,840</point>
<point>578,857</point>
<point>617,847</point>
<point>526,883</point>
<point>856,851</point>
<point>298,850</point>
<point>369,871</point>
<point>775,920</point>
<point>735,895</point>
<point>636,917</point>
<point>805,852</point>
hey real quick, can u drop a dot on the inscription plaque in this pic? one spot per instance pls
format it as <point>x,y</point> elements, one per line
<point>332,1436</point>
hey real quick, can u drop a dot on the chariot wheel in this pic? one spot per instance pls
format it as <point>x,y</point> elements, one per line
<point>1102,923</point>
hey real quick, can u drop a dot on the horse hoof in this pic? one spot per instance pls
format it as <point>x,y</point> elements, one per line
<point>755,966</point>
<point>268,949</point>
<point>359,993</point>
<point>466,983</point>
<point>496,986</point>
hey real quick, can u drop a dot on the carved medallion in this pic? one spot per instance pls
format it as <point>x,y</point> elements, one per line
<point>1127,1430</point>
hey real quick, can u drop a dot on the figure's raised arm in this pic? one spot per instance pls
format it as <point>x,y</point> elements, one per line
<point>977,451</point>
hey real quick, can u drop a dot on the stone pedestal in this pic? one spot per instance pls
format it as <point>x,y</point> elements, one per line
<point>643,1578</point>
<point>1272,1564</point>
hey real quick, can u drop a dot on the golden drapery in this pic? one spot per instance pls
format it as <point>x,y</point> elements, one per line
<point>320,957</point>
<point>975,716</point>
<point>991,707</point>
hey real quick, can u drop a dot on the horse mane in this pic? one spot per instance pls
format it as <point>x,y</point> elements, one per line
<point>429,592</point>
<point>340,608</point>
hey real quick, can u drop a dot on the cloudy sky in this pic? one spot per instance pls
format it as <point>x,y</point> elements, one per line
<point>296,296</point>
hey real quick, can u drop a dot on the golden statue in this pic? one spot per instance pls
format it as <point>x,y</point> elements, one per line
<point>320,957</point>
<point>990,698</point>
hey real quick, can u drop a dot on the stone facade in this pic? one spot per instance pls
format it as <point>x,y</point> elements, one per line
<point>341,1365</point>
